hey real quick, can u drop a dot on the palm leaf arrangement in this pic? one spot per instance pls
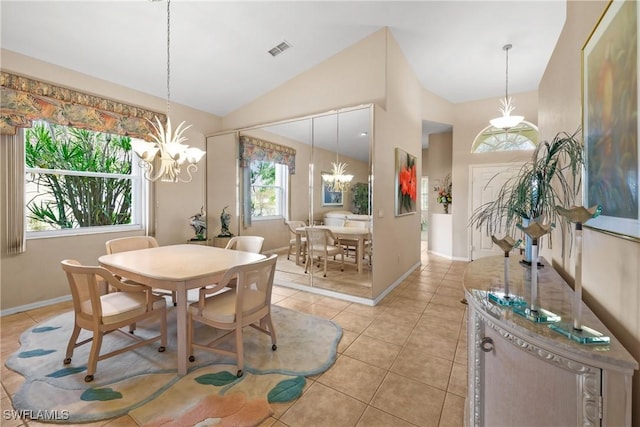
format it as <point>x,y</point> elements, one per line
<point>552,177</point>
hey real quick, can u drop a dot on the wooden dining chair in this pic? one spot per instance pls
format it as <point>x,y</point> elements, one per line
<point>134,243</point>
<point>322,244</point>
<point>293,225</point>
<point>248,304</point>
<point>246,244</point>
<point>102,314</point>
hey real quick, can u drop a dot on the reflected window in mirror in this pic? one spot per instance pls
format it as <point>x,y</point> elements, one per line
<point>268,190</point>
<point>522,137</point>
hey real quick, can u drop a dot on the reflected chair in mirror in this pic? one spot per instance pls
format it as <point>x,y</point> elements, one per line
<point>293,225</point>
<point>134,243</point>
<point>353,243</point>
<point>248,304</point>
<point>102,314</point>
<point>322,244</point>
<point>246,244</point>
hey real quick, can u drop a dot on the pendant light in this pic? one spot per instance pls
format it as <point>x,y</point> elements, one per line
<point>507,121</point>
<point>167,151</point>
<point>338,180</point>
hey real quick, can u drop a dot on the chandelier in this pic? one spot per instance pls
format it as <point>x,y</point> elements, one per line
<point>506,121</point>
<point>164,158</point>
<point>338,180</point>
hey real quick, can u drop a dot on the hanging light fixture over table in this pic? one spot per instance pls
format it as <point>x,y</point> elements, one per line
<point>167,151</point>
<point>338,180</point>
<point>507,121</point>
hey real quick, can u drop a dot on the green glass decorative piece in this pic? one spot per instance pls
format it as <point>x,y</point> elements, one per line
<point>537,315</point>
<point>584,335</point>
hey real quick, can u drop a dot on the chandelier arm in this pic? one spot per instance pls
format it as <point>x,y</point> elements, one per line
<point>192,167</point>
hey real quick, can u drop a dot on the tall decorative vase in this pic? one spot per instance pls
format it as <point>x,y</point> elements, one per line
<point>446,207</point>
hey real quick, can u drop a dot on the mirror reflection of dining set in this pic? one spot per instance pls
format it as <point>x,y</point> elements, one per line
<point>131,284</point>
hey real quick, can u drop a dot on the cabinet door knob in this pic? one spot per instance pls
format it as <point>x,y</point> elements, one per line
<point>486,344</point>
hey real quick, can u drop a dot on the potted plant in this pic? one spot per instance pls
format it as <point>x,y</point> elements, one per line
<point>360,198</point>
<point>552,177</point>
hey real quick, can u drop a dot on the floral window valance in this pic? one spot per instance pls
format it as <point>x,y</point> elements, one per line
<point>23,100</point>
<point>259,149</point>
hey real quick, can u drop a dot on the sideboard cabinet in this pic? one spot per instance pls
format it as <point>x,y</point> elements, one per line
<point>522,373</point>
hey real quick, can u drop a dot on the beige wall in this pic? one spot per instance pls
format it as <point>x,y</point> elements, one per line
<point>396,247</point>
<point>373,70</point>
<point>35,276</point>
<point>611,267</point>
<point>439,165</point>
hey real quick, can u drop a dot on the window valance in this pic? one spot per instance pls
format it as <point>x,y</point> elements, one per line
<point>258,149</point>
<point>23,100</point>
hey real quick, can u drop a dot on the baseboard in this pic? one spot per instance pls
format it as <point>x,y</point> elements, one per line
<point>39,304</point>
<point>451,257</point>
<point>325,292</point>
<point>395,284</point>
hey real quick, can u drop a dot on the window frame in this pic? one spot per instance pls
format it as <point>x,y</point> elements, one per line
<point>282,174</point>
<point>139,201</point>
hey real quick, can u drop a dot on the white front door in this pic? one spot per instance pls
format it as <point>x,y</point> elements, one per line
<point>486,181</point>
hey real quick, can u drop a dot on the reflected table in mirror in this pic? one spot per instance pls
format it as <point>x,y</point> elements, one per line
<point>352,233</point>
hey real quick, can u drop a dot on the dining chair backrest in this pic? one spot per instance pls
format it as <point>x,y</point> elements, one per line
<point>246,243</point>
<point>319,240</point>
<point>254,285</point>
<point>132,243</point>
<point>85,289</point>
<point>293,225</point>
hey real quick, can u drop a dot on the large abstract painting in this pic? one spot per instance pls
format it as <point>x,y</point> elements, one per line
<point>610,120</point>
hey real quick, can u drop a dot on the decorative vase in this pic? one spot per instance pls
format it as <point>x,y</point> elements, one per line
<point>446,207</point>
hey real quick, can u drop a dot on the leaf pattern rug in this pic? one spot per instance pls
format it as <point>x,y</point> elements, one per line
<point>143,382</point>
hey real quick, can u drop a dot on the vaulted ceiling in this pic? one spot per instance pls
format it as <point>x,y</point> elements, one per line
<point>219,49</point>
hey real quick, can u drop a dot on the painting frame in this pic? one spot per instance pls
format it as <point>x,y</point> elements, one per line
<point>331,198</point>
<point>406,183</point>
<point>610,99</point>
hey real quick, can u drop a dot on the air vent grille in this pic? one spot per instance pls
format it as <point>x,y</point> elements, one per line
<point>277,50</point>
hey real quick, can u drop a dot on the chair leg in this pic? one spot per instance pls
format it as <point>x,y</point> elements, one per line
<point>325,266</point>
<point>272,331</point>
<point>72,343</point>
<point>93,355</point>
<point>239,350</point>
<point>289,253</point>
<point>174,299</point>
<point>190,337</point>
<point>163,329</point>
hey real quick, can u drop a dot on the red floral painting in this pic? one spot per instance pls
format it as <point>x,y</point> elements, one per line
<point>406,183</point>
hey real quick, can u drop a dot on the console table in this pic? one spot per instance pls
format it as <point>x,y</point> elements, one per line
<point>522,373</point>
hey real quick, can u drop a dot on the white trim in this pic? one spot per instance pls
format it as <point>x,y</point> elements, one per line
<point>34,305</point>
<point>396,283</point>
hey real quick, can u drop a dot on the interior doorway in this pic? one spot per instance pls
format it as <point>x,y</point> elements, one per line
<point>424,208</point>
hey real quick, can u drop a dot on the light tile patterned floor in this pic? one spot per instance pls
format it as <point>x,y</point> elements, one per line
<point>400,363</point>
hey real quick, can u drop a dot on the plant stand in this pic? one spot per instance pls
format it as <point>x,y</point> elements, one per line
<point>576,331</point>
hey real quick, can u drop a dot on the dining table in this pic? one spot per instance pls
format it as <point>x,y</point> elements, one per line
<point>352,233</point>
<point>177,268</point>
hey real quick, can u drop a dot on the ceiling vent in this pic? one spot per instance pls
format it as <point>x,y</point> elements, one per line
<point>279,48</point>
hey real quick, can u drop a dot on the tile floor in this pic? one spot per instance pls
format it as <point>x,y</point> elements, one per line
<point>400,363</point>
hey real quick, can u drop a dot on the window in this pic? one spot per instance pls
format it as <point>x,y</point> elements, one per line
<point>268,189</point>
<point>522,137</point>
<point>78,180</point>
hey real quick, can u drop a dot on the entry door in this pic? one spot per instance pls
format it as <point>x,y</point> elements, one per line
<point>485,185</point>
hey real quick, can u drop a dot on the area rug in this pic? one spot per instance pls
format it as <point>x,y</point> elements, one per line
<point>143,383</point>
